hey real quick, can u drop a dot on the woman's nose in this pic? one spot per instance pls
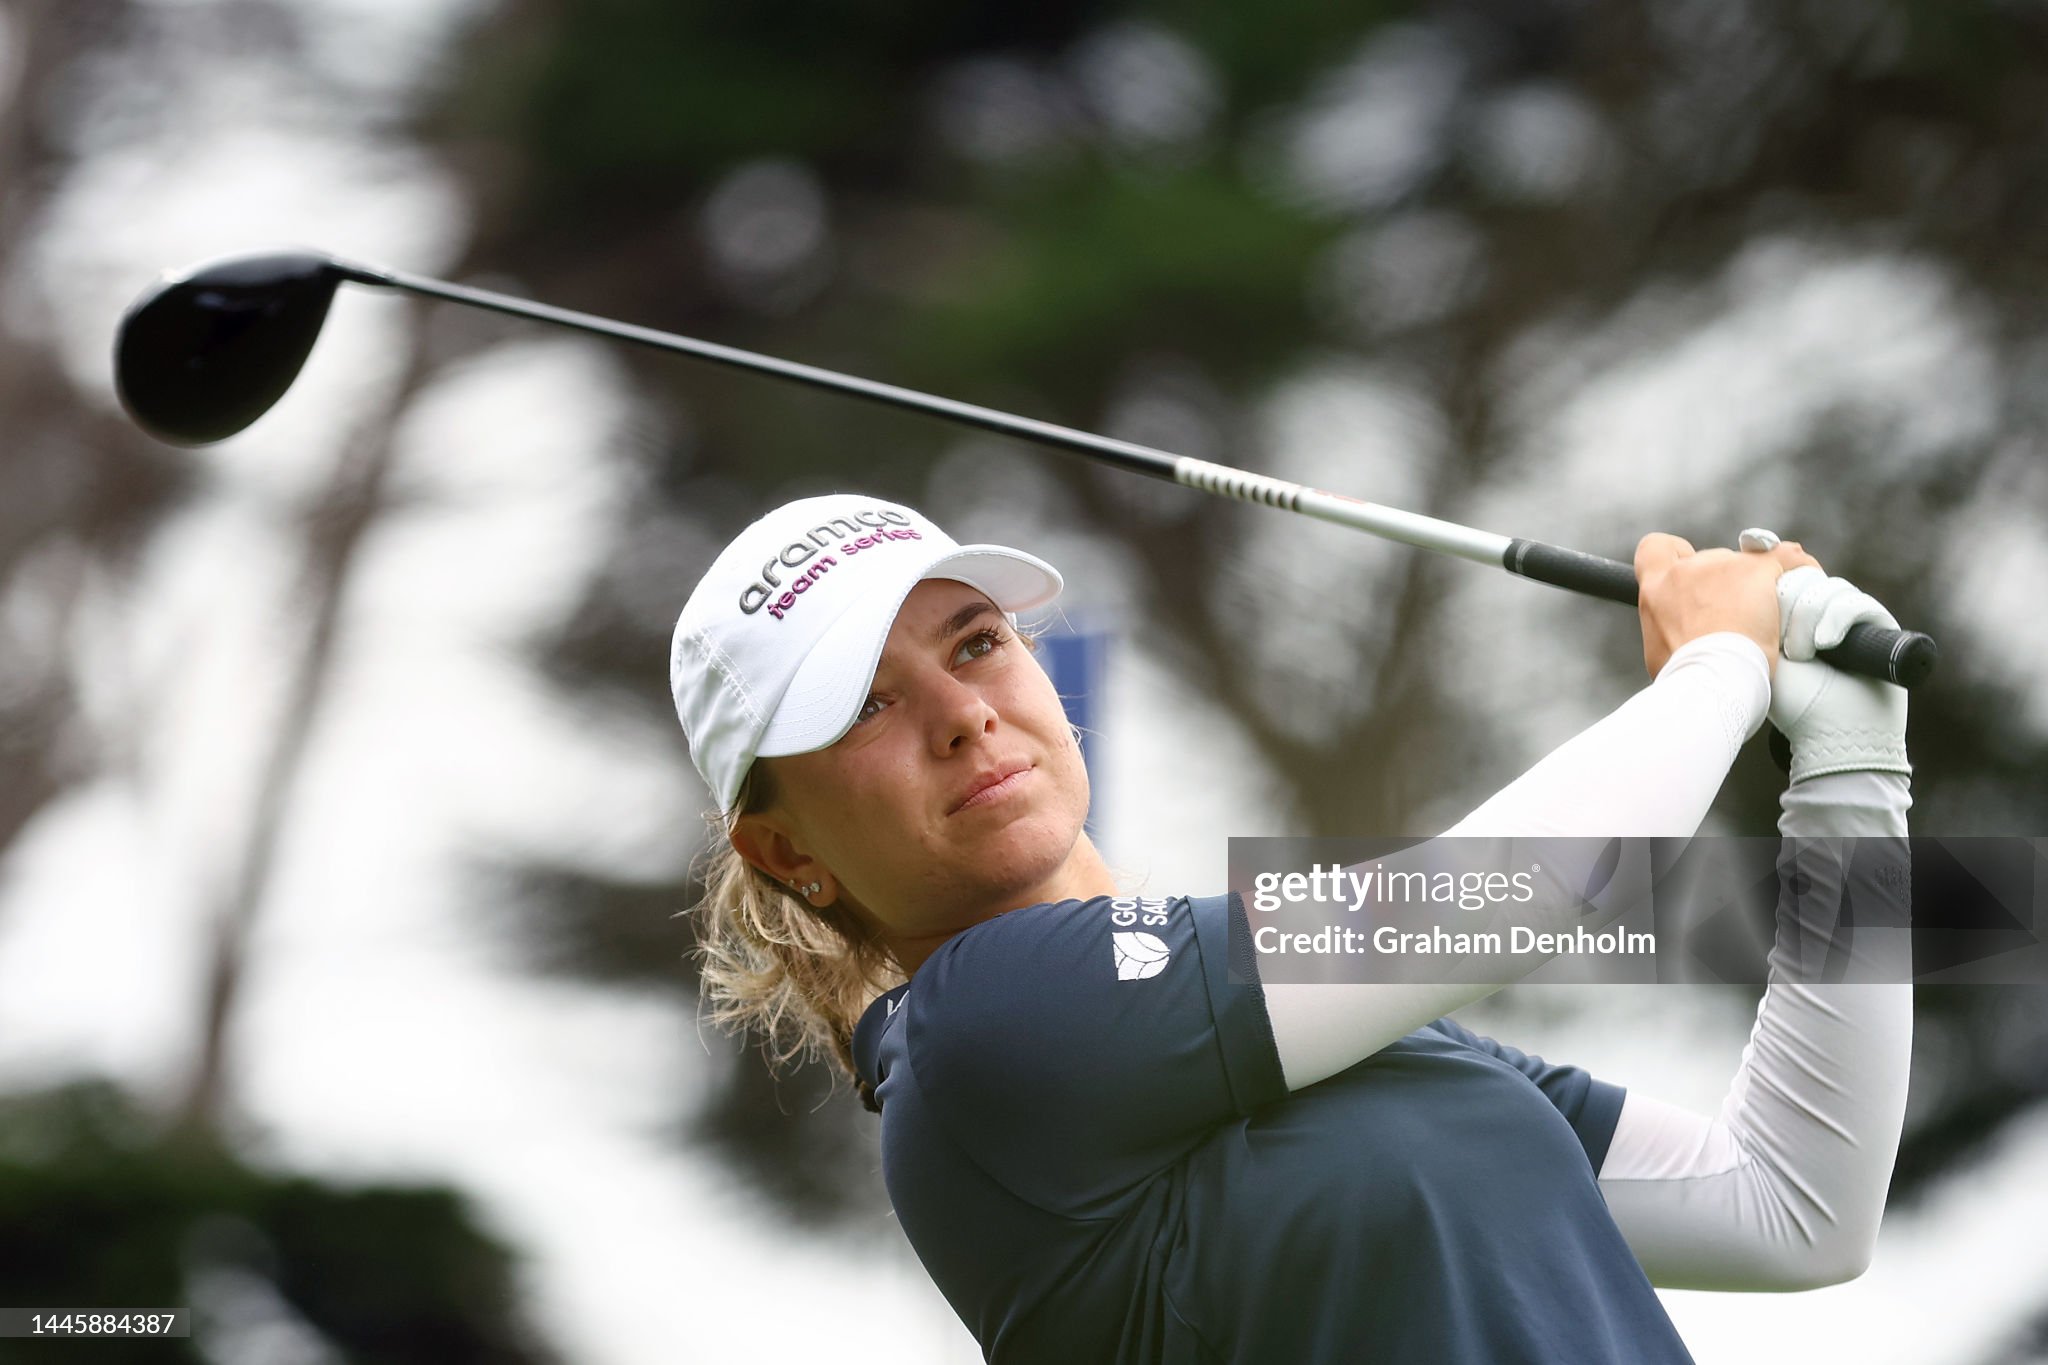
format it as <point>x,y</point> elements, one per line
<point>959,712</point>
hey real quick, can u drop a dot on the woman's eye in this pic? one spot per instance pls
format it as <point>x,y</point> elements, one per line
<point>869,709</point>
<point>979,645</point>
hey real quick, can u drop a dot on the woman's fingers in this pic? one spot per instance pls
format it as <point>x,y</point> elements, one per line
<point>1792,555</point>
<point>1684,593</point>
<point>1657,551</point>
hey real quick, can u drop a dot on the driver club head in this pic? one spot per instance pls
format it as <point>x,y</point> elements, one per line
<point>203,354</point>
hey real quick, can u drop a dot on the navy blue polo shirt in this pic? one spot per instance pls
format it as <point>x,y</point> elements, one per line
<point>1088,1141</point>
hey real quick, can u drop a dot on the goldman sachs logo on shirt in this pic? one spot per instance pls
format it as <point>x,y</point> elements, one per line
<point>1138,954</point>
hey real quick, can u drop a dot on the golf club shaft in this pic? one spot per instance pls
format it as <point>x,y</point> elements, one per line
<point>1899,656</point>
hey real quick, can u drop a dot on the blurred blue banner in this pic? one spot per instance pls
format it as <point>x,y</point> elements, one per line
<point>1077,660</point>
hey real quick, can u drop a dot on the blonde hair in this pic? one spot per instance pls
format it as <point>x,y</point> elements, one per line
<point>800,974</point>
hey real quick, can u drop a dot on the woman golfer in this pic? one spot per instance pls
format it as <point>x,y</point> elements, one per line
<point>1102,1161</point>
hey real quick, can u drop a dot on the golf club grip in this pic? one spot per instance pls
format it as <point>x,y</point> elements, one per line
<point>1905,657</point>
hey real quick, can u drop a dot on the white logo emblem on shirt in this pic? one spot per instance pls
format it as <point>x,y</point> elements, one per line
<point>1139,955</point>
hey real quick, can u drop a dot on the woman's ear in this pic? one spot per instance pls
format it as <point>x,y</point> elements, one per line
<point>765,842</point>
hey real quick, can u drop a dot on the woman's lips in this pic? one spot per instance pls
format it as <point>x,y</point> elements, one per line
<point>995,791</point>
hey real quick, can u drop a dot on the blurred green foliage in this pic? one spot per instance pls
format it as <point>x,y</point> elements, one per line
<point>102,1209</point>
<point>1092,267</point>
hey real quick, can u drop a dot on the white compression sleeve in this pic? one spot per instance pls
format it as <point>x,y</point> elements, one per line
<point>1784,1189</point>
<point>1650,768</point>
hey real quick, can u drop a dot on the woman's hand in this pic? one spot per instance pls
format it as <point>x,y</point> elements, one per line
<point>1685,593</point>
<point>1834,722</point>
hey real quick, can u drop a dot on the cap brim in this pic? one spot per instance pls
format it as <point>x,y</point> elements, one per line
<point>830,684</point>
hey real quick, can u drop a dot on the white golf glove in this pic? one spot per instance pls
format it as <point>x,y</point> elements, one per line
<point>1835,722</point>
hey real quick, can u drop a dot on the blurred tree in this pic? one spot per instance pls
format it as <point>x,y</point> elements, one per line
<point>79,486</point>
<point>96,1200</point>
<point>97,1197</point>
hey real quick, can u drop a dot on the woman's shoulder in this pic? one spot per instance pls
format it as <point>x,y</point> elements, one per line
<point>1059,955</point>
<point>1074,928</point>
<point>1116,1008</point>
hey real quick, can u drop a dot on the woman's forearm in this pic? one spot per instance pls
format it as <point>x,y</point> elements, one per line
<point>1785,1187</point>
<point>1649,768</point>
<point>1653,766</point>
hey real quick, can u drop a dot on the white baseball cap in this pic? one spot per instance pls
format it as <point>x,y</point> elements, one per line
<point>776,649</point>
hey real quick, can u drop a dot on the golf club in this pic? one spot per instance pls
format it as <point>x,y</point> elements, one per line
<point>204,353</point>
